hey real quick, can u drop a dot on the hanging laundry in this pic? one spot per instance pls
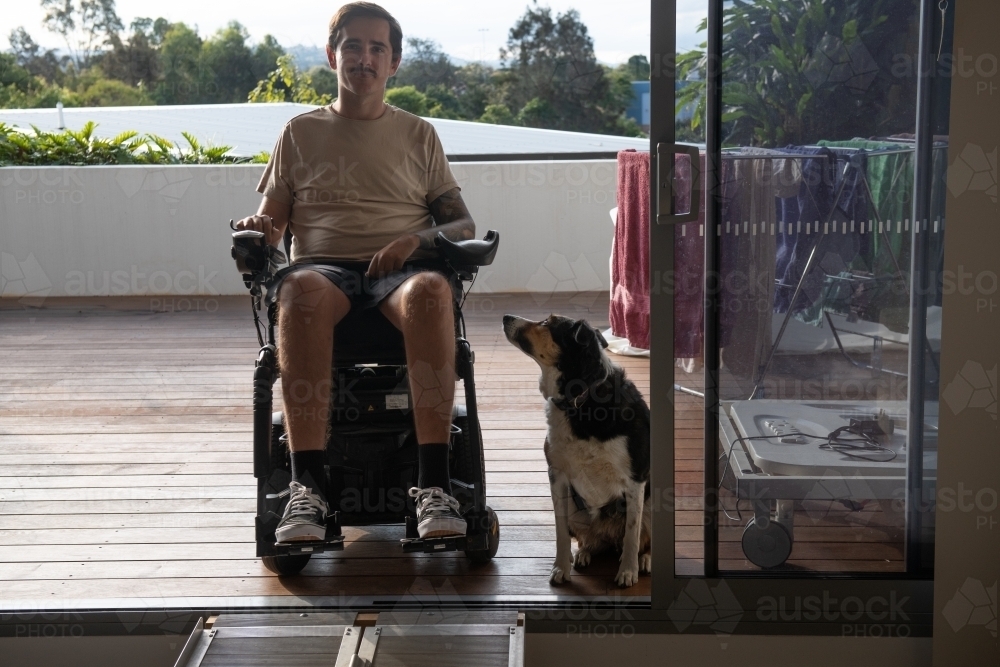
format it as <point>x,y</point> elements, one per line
<point>799,216</point>
<point>834,231</point>
<point>689,269</point>
<point>890,178</point>
<point>748,191</point>
<point>629,308</point>
<point>630,287</point>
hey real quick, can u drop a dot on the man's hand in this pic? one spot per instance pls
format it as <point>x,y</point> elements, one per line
<point>391,257</point>
<point>262,223</point>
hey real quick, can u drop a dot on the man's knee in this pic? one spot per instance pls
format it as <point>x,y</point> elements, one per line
<point>429,293</point>
<point>305,292</point>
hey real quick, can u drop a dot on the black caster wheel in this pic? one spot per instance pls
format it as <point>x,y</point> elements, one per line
<point>481,556</point>
<point>769,546</point>
<point>285,565</point>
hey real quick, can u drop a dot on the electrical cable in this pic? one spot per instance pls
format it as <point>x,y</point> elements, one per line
<point>254,303</point>
<point>833,443</point>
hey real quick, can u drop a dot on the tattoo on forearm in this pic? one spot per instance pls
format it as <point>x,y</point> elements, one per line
<point>451,218</point>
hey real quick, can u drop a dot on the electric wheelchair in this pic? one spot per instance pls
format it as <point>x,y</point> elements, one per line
<point>371,446</point>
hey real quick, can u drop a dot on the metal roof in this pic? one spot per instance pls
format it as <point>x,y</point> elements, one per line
<point>251,128</point>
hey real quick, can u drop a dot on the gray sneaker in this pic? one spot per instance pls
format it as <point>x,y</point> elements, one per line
<point>437,513</point>
<point>305,516</point>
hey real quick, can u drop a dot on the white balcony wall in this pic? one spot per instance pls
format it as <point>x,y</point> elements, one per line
<point>137,230</point>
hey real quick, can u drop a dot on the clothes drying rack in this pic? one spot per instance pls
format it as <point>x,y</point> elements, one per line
<point>852,161</point>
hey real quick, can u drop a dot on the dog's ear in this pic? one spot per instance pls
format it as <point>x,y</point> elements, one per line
<point>585,335</point>
<point>600,339</point>
<point>579,332</point>
<point>590,341</point>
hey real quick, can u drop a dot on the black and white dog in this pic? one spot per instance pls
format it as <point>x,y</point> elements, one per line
<point>597,446</point>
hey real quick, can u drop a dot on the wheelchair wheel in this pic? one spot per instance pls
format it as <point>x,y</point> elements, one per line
<point>285,565</point>
<point>493,533</point>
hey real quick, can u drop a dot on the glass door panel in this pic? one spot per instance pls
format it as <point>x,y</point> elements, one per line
<point>820,313</point>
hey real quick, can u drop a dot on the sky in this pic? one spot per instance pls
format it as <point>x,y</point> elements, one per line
<point>465,29</point>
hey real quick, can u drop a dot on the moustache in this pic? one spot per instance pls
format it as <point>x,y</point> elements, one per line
<point>363,71</point>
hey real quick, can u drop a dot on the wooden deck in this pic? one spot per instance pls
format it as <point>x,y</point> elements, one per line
<point>125,458</point>
<point>125,453</point>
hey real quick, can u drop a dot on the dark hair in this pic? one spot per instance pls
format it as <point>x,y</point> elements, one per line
<point>354,10</point>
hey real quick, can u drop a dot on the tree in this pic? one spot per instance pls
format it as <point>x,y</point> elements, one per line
<point>636,69</point>
<point>795,73</point>
<point>20,89</point>
<point>324,80</point>
<point>183,79</point>
<point>265,57</point>
<point>112,93</point>
<point>136,60</point>
<point>443,102</point>
<point>552,60</point>
<point>408,98</point>
<point>287,84</point>
<point>229,60</point>
<point>85,26</point>
<point>30,56</point>
<point>424,64</point>
<point>476,89</point>
<point>497,114</point>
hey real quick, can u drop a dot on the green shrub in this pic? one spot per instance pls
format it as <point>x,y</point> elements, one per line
<point>81,147</point>
<point>408,98</point>
<point>497,114</point>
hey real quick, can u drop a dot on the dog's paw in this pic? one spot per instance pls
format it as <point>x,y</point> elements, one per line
<point>581,559</point>
<point>627,576</point>
<point>560,574</point>
<point>646,564</point>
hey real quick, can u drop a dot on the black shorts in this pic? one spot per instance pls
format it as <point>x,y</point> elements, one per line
<point>362,290</point>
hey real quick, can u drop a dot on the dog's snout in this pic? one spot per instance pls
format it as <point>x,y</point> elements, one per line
<point>507,320</point>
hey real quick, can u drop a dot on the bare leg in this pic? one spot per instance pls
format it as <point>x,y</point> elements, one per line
<point>309,308</point>
<point>422,308</point>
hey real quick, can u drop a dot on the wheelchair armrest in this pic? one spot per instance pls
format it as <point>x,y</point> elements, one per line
<point>471,252</point>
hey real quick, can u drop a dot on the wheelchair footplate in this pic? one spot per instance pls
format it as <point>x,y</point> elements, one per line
<point>414,544</point>
<point>436,544</point>
<point>334,541</point>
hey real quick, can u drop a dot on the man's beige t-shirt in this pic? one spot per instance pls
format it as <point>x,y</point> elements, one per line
<point>355,185</point>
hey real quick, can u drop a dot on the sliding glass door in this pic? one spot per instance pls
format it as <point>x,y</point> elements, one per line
<point>796,275</point>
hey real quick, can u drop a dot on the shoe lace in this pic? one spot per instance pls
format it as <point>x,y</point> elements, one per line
<point>434,500</point>
<point>304,503</point>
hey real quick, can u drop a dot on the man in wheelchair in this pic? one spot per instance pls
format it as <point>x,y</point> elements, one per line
<point>364,189</point>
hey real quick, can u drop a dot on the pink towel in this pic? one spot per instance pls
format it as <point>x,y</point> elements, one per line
<point>629,310</point>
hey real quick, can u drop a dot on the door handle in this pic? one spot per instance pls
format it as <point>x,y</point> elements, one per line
<point>665,214</point>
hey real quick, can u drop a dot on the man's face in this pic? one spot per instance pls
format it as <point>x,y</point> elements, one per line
<point>363,58</point>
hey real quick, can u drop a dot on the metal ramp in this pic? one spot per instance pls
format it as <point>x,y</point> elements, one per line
<point>438,638</point>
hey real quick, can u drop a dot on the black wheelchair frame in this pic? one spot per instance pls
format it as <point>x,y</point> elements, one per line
<point>371,441</point>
